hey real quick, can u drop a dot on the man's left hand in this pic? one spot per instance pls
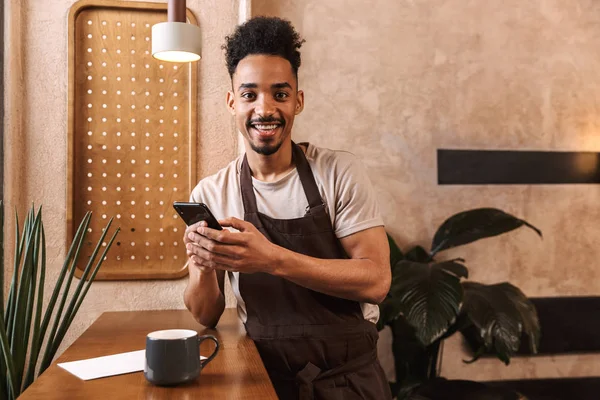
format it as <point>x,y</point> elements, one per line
<point>247,251</point>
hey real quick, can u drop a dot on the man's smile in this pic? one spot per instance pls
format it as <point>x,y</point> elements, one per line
<point>265,129</point>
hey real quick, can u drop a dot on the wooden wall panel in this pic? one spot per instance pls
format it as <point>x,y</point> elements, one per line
<point>132,138</point>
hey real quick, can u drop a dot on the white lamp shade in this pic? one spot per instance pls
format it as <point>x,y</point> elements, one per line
<point>176,42</point>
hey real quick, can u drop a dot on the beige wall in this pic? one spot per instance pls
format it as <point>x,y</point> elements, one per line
<point>36,131</point>
<point>392,81</point>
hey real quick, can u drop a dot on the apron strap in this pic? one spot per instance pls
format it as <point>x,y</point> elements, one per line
<point>311,373</point>
<point>311,190</point>
<point>248,197</point>
<point>305,379</point>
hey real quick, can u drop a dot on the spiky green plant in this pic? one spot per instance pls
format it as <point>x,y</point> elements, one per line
<point>23,322</point>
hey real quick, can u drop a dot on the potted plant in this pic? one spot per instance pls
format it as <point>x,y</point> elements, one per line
<point>24,326</point>
<point>430,300</point>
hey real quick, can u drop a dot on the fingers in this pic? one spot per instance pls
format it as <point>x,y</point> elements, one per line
<point>192,228</point>
<point>196,241</point>
<point>214,252</point>
<point>205,259</point>
<point>224,236</point>
<point>196,263</point>
<point>238,224</point>
<point>207,266</point>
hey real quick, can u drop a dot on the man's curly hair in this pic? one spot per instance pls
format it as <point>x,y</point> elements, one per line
<point>263,35</point>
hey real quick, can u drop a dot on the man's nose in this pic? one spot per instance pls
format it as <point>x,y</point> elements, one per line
<point>265,106</point>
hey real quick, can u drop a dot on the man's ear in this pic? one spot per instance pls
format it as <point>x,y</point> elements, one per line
<point>231,102</point>
<point>299,102</point>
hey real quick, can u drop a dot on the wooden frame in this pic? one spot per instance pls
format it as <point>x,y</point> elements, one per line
<point>136,256</point>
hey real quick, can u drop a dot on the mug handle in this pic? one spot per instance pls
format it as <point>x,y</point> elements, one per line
<point>203,363</point>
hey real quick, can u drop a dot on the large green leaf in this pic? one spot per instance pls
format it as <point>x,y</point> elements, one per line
<point>501,313</point>
<point>429,296</point>
<point>472,225</point>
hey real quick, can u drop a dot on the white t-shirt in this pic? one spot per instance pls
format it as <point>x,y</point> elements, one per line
<point>343,184</point>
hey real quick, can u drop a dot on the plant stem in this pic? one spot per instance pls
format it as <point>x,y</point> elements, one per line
<point>434,351</point>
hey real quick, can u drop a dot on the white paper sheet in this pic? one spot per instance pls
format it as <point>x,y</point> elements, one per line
<point>100,367</point>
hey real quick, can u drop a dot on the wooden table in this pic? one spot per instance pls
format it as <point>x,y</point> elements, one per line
<point>236,373</point>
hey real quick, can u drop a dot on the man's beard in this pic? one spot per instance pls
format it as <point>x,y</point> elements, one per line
<point>268,148</point>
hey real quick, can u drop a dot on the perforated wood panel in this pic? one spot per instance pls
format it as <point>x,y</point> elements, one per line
<point>132,129</point>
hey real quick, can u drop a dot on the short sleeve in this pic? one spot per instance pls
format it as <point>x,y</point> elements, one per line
<point>356,207</point>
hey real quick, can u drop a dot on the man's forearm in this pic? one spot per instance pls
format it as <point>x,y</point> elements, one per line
<point>361,280</point>
<point>203,297</point>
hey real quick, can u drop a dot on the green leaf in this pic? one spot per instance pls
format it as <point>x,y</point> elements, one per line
<point>47,358</point>
<point>32,286</point>
<point>3,370</point>
<point>501,313</point>
<point>1,260</point>
<point>78,297</point>
<point>94,273</point>
<point>22,316</point>
<point>12,293</point>
<point>429,296</point>
<point>35,342</point>
<point>462,322</point>
<point>480,351</point>
<point>527,311</point>
<point>13,383</point>
<point>75,244</point>
<point>418,254</point>
<point>87,287</point>
<point>469,226</point>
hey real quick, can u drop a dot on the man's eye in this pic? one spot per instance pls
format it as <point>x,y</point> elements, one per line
<point>281,95</point>
<point>248,95</point>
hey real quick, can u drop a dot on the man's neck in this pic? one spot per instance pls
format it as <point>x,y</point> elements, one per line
<point>270,168</point>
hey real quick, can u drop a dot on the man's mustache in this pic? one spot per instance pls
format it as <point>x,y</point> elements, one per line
<point>265,120</point>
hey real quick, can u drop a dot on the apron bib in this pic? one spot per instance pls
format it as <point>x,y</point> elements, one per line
<point>314,346</point>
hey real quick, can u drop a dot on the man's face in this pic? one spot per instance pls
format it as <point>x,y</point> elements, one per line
<point>264,101</point>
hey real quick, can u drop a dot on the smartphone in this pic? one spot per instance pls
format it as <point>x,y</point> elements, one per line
<point>194,212</point>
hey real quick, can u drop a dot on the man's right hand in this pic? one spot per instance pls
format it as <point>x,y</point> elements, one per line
<point>194,261</point>
<point>204,294</point>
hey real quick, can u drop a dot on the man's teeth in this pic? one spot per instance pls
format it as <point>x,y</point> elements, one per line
<point>266,127</point>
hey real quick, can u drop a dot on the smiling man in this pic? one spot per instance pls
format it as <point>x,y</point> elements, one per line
<point>306,252</point>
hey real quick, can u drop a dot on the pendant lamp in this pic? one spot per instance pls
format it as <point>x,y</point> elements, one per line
<point>176,40</point>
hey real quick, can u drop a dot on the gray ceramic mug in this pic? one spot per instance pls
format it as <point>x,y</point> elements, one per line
<point>173,356</point>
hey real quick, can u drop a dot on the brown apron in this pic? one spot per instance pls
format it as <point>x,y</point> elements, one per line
<point>314,346</point>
